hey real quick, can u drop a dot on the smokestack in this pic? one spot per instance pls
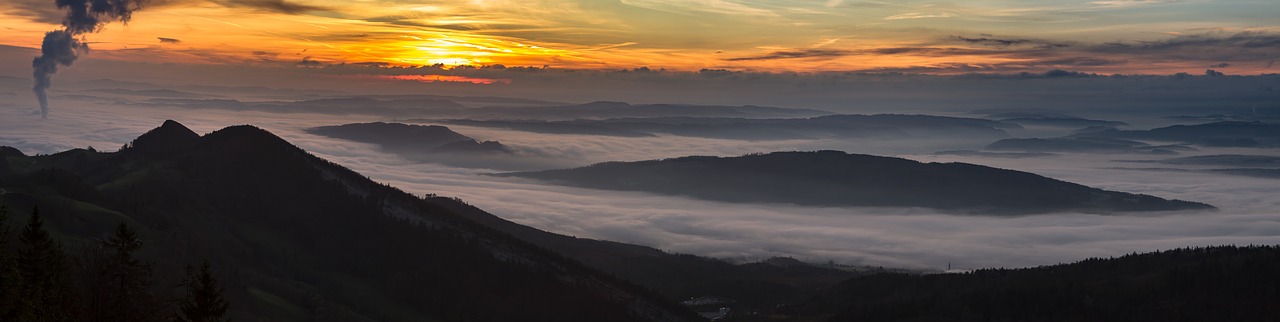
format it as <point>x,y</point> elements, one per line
<point>63,47</point>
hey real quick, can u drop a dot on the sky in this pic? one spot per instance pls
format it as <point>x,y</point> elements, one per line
<point>936,37</point>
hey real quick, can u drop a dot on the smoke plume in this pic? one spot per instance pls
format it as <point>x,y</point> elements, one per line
<point>63,47</point>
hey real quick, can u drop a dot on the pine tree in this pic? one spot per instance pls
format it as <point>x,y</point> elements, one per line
<point>9,278</point>
<point>204,301</point>
<point>42,267</point>
<point>120,284</point>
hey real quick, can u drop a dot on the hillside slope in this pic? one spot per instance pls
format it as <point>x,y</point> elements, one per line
<point>300,238</point>
<point>1225,283</point>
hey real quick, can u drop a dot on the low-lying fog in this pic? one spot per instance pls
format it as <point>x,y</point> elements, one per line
<point>914,238</point>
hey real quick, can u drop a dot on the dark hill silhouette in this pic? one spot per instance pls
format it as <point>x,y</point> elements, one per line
<point>1227,133</point>
<point>1225,283</point>
<point>833,178</point>
<point>8,151</point>
<point>397,137</point>
<point>168,139</point>
<point>304,239</point>
<point>1065,122</point>
<point>428,143</point>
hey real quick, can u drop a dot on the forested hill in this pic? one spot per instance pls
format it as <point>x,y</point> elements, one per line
<point>1225,283</point>
<point>834,178</point>
<point>300,238</point>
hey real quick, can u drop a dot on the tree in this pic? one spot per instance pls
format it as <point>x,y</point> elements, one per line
<point>204,301</point>
<point>120,284</point>
<point>42,268</point>
<point>9,278</point>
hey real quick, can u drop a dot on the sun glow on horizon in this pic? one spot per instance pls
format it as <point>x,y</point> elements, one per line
<point>1000,36</point>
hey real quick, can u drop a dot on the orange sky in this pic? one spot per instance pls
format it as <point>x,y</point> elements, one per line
<point>1116,36</point>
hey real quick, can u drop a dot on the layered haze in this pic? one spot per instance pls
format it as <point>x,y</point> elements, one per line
<point>897,237</point>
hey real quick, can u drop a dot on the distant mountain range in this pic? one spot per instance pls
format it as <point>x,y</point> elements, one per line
<point>607,110</point>
<point>1064,122</point>
<point>1233,160</point>
<point>1043,118</point>
<point>892,126</point>
<point>1083,145</point>
<point>1258,166</point>
<point>1220,134</point>
<point>411,139</point>
<point>418,106</point>
<point>1103,139</point>
<point>833,178</point>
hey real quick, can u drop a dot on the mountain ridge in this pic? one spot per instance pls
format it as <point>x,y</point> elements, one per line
<point>834,178</point>
<point>260,228</point>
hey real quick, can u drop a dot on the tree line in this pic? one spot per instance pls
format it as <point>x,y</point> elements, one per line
<point>1218,283</point>
<point>40,282</point>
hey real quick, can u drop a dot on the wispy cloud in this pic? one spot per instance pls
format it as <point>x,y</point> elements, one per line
<point>988,40</point>
<point>1130,3</point>
<point>917,15</point>
<point>807,53</point>
<point>278,6</point>
<point>725,7</point>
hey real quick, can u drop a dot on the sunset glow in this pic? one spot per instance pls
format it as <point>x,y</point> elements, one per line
<point>447,78</point>
<point>1160,37</point>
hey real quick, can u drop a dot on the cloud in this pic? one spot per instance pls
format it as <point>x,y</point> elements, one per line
<point>1022,54</point>
<point>277,6</point>
<point>935,51</point>
<point>164,40</point>
<point>871,236</point>
<point>917,15</point>
<point>40,10</point>
<point>308,62</point>
<point>1130,3</point>
<point>723,7</point>
<point>1211,47</point>
<point>1209,41</point>
<point>807,53</point>
<point>1007,42</point>
<point>62,47</point>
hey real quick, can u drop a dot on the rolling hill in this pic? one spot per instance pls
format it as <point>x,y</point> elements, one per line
<point>833,178</point>
<point>300,238</point>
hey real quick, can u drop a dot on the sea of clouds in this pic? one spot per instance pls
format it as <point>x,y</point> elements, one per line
<point>897,237</point>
